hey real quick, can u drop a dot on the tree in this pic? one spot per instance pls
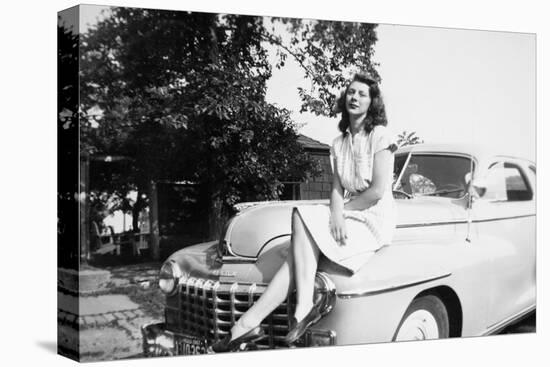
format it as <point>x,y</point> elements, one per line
<point>67,147</point>
<point>183,95</point>
<point>405,138</point>
<point>329,53</point>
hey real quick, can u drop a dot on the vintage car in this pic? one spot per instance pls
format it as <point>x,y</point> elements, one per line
<point>462,263</point>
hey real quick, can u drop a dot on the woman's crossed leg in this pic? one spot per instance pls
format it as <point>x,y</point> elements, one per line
<point>298,270</point>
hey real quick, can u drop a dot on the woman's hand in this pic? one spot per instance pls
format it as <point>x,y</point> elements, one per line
<point>338,229</point>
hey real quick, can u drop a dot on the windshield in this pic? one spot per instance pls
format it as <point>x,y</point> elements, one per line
<point>431,175</point>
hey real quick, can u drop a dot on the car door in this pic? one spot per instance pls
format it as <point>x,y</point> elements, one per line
<point>504,222</point>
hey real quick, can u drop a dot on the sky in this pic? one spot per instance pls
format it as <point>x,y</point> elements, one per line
<point>447,85</point>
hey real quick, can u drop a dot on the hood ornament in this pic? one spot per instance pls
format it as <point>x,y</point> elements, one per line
<point>225,255</point>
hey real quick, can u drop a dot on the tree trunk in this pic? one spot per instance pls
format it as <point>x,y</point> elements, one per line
<point>154,234</point>
<point>138,206</point>
<point>215,219</point>
<point>214,53</point>
<point>84,208</point>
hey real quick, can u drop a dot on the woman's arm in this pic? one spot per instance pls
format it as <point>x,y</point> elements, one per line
<point>380,178</point>
<point>337,222</point>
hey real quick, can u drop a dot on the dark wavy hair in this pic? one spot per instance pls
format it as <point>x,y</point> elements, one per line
<point>376,114</point>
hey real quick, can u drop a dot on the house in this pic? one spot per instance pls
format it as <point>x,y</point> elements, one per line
<point>180,218</point>
<point>318,187</point>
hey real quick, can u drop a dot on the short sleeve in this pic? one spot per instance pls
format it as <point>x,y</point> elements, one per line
<point>333,149</point>
<point>382,139</point>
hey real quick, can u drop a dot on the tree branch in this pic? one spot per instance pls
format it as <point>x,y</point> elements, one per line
<point>273,40</point>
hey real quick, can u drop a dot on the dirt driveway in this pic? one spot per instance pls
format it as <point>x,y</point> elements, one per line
<point>109,319</point>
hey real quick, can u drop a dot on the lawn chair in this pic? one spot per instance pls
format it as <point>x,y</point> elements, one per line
<point>104,243</point>
<point>141,242</point>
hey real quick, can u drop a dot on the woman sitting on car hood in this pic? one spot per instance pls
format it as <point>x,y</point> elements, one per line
<point>358,221</point>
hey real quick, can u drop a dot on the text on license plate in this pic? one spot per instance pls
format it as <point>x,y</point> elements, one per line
<point>190,345</point>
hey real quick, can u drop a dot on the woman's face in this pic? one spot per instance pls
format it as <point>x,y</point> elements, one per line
<point>357,99</point>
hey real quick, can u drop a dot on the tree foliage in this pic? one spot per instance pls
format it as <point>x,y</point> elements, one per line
<point>406,138</point>
<point>67,147</point>
<point>329,52</point>
<point>183,95</point>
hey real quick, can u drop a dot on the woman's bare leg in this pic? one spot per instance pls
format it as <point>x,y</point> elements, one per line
<point>299,267</point>
<point>275,293</point>
<point>306,257</point>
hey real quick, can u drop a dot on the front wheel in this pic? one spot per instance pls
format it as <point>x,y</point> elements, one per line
<point>426,318</point>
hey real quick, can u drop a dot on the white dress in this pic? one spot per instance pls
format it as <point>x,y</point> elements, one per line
<point>367,229</point>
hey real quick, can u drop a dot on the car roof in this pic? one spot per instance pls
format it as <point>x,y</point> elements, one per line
<point>465,149</point>
<point>480,153</point>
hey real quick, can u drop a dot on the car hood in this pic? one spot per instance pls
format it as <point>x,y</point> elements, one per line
<point>259,225</point>
<point>392,265</point>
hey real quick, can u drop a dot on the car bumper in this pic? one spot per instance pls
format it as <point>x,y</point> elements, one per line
<point>159,342</point>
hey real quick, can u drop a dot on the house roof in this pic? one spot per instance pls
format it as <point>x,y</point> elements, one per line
<point>309,143</point>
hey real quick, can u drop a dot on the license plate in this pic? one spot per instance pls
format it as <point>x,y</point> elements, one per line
<point>189,345</point>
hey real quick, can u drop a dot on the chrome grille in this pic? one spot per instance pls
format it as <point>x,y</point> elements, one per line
<point>208,309</point>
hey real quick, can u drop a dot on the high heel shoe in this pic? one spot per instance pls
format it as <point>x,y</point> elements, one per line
<point>228,345</point>
<point>297,329</point>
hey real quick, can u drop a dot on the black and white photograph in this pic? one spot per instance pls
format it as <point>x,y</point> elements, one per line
<point>274,183</point>
<point>231,183</point>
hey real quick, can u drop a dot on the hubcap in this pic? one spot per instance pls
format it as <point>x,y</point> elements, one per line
<point>419,325</point>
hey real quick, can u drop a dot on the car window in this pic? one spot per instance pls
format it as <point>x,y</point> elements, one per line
<point>506,182</point>
<point>421,185</point>
<point>432,175</point>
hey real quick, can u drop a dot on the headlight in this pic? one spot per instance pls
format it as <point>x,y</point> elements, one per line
<point>169,277</point>
<point>325,293</point>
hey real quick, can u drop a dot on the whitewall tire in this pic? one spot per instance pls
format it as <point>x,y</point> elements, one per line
<point>426,318</point>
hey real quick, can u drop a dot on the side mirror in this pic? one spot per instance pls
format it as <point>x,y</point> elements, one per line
<point>480,186</point>
<point>477,187</point>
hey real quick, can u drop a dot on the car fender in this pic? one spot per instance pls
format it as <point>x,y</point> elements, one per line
<point>393,278</point>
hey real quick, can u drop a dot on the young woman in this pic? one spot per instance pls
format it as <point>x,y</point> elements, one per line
<point>358,221</point>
